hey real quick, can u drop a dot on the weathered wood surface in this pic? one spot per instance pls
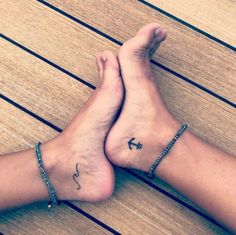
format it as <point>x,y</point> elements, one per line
<point>185,51</point>
<point>36,219</point>
<point>47,92</point>
<point>217,18</point>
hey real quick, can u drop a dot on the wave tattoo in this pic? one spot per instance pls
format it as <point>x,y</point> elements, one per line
<point>75,177</point>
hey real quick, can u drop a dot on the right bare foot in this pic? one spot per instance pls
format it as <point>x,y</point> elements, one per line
<point>144,115</point>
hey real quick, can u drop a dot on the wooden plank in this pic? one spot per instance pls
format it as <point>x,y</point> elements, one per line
<point>58,90</point>
<point>37,219</point>
<point>134,207</point>
<point>66,53</point>
<point>171,88</point>
<point>74,58</point>
<point>170,94</point>
<point>34,79</point>
<point>185,51</point>
<point>217,18</point>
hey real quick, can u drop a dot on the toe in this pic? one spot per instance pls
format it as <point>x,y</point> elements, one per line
<point>103,105</point>
<point>109,70</point>
<point>150,35</point>
<point>134,55</point>
<point>160,36</point>
<point>148,38</point>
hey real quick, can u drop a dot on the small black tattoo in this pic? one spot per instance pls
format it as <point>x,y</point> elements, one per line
<point>138,145</point>
<point>75,176</point>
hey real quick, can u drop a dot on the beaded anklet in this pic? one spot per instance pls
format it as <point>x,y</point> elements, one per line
<point>152,169</point>
<point>51,190</point>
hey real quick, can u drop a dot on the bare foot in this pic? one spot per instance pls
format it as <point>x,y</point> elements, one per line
<point>145,125</point>
<point>82,171</point>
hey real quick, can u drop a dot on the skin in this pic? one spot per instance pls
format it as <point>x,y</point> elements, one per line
<point>82,143</point>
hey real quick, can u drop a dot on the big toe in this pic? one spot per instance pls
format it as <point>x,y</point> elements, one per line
<point>104,104</point>
<point>135,54</point>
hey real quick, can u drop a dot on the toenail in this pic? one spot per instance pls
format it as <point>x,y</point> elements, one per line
<point>104,58</point>
<point>158,32</point>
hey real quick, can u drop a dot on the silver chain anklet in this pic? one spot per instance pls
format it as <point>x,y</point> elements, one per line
<point>51,190</point>
<point>167,149</point>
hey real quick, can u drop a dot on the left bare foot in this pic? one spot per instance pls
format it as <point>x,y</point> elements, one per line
<point>82,171</point>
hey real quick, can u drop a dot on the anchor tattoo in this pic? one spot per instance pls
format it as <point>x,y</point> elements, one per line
<point>75,176</point>
<point>138,145</point>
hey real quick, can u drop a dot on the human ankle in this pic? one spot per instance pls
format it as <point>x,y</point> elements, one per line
<point>51,154</point>
<point>158,138</point>
<point>178,159</point>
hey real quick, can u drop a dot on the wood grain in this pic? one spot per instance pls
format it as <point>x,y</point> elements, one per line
<point>58,90</point>
<point>134,207</point>
<point>185,51</point>
<point>55,105</point>
<point>53,92</point>
<point>217,18</point>
<point>37,219</point>
<point>49,92</point>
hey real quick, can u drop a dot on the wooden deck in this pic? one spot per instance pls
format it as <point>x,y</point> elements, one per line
<point>47,59</point>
